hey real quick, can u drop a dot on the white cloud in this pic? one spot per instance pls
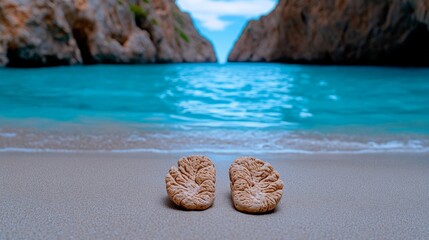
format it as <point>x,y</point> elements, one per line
<point>210,12</point>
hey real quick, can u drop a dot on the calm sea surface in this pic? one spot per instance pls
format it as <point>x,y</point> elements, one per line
<point>258,107</point>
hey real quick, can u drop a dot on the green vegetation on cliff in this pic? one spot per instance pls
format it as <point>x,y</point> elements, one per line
<point>137,10</point>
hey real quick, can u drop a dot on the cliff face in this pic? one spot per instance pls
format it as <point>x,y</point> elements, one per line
<point>36,33</point>
<point>379,32</point>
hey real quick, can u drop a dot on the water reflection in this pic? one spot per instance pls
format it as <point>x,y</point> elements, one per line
<point>233,97</point>
<point>192,96</point>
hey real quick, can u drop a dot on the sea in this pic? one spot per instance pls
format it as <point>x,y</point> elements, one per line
<point>225,108</point>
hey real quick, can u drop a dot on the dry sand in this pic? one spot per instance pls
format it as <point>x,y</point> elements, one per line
<point>123,196</point>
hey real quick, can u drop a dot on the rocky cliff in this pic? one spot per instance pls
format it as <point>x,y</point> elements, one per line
<point>379,32</point>
<point>35,33</point>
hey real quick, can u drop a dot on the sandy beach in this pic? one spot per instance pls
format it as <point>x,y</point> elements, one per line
<point>122,196</point>
<point>99,99</point>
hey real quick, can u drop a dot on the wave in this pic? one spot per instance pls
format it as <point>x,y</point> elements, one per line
<point>210,141</point>
<point>215,151</point>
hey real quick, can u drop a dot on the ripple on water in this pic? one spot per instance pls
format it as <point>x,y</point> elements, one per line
<point>277,97</point>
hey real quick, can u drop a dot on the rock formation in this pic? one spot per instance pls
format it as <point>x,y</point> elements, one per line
<point>381,32</point>
<point>36,33</point>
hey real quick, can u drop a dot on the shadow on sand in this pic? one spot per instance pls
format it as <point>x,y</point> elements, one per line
<point>169,204</point>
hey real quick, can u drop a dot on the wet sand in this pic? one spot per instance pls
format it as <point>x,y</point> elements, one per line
<point>122,196</point>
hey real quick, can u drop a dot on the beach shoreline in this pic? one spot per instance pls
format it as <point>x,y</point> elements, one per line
<point>122,195</point>
<point>121,138</point>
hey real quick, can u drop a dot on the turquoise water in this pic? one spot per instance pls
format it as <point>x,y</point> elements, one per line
<point>358,102</point>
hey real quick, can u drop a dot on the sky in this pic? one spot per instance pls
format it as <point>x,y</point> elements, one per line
<point>221,21</point>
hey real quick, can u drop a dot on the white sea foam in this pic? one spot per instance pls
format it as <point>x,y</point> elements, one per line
<point>37,150</point>
<point>200,150</point>
<point>379,149</point>
<point>7,134</point>
<point>214,141</point>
